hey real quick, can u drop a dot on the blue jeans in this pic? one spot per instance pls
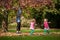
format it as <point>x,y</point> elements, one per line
<point>18,26</point>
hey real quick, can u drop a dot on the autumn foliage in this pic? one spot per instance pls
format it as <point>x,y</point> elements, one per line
<point>25,3</point>
<point>34,3</point>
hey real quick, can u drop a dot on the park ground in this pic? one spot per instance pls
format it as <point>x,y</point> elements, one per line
<point>25,35</point>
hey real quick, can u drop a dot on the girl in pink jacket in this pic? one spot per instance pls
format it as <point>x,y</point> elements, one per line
<point>32,25</point>
<point>46,26</point>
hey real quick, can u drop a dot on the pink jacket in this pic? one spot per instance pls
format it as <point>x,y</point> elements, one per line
<point>46,24</point>
<point>32,25</point>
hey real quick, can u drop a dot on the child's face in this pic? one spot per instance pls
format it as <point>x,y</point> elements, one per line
<point>45,19</point>
<point>33,20</point>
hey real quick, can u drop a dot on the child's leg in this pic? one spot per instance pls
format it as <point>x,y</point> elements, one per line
<point>32,31</point>
<point>45,31</point>
<point>48,31</point>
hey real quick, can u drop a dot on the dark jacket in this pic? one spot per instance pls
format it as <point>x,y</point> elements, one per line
<point>18,15</point>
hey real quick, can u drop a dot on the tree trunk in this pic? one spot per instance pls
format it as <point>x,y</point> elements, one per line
<point>5,28</point>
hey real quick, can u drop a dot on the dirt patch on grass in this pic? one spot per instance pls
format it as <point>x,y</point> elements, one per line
<point>24,34</point>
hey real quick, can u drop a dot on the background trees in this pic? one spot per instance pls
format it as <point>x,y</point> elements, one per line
<point>38,9</point>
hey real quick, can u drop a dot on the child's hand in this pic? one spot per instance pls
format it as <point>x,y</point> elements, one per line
<point>49,22</point>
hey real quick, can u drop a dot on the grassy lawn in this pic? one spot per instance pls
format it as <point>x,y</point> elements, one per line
<point>33,37</point>
<point>42,37</point>
<point>40,30</point>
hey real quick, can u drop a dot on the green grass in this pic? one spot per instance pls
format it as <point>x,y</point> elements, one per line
<point>42,37</point>
<point>33,37</point>
<point>40,30</point>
